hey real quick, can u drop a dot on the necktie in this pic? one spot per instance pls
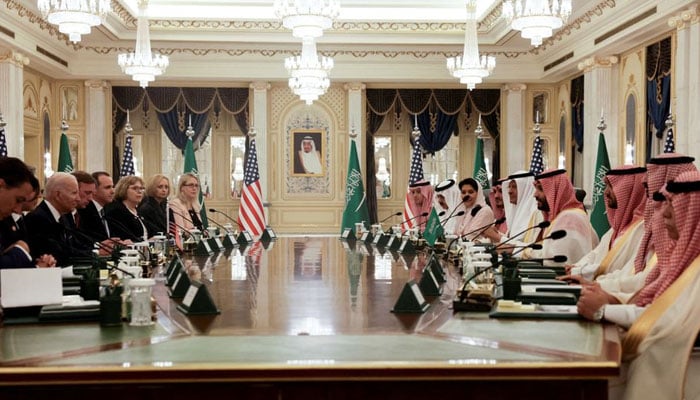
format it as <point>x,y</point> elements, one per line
<point>76,219</point>
<point>104,221</point>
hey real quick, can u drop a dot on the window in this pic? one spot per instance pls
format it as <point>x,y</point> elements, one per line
<point>382,161</point>
<point>236,165</point>
<point>444,164</point>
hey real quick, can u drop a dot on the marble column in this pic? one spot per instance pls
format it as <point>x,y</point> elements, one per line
<point>601,97</point>
<point>98,127</point>
<point>259,121</point>
<point>686,81</point>
<point>355,113</point>
<point>513,135</point>
<point>11,99</point>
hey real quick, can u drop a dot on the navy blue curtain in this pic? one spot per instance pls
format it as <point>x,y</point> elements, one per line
<point>175,127</point>
<point>577,112</point>
<point>433,140</point>
<point>658,73</point>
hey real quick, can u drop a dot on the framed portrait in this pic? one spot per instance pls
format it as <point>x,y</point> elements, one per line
<point>540,109</point>
<point>308,153</point>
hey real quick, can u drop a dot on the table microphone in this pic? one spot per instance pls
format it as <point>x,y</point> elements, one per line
<point>459,214</point>
<point>541,225</point>
<point>205,233</point>
<point>483,228</point>
<point>557,259</point>
<point>384,220</point>
<point>425,214</point>
<point>556,235</point>
<point>240,226</point>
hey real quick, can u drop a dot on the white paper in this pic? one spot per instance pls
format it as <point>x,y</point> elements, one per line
<point>22,287</point>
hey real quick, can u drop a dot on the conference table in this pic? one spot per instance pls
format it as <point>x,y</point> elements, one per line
<point>311,317</point>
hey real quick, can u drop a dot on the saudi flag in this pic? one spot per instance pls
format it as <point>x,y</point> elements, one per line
<point>433,229</point>
<point>480,173</point>
<point>602,165</point>
<point>65,164</point>
<point>191,167</point>
<point>355,200</point>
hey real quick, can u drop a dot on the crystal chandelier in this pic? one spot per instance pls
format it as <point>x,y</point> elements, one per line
<point>536,19</point>
<point>307,18</point>
<point>309,72</point>
<point>470,68</point>
<point>142,65</point>
<point>74,18</point>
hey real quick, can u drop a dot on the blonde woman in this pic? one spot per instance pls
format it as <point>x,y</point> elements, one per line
<point>154,206</point>
<point>122,215</point>
<point>185,207</point>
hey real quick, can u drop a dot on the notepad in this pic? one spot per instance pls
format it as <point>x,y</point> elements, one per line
<point>24,287</point>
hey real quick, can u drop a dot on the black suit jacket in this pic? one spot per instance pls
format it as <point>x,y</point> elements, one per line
<point>47,236</point>
<point>123,224</point>
<point>12,231</point>
<point>153,214</point>
<point>91,223</point>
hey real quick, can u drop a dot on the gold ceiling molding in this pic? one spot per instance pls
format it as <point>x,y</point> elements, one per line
<point>169,51</point>
<point>124,16</point>
<point>575,25</point>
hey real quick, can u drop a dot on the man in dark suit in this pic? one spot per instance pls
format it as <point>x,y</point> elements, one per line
<point>17,185</point>
<point>49,230</point>
<point>92,220</point>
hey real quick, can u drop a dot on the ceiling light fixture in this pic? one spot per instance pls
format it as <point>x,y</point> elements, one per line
<point>142,64</point>
<point>469,67</point>
<point>537,19</point>
<point>307,18</point>
<point>309,72</point>
<point>74,18</point>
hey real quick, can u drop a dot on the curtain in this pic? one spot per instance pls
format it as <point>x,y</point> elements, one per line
<point>577,112</point>
<point>436,129</point>
<point>175,127</point>
<point>658,90</point>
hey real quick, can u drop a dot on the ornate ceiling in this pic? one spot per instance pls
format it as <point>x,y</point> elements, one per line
<point>373,41</point>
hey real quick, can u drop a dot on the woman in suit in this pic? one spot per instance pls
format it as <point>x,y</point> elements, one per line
<point>186,205</point>
<point>155,204</point>
<point>124,219</point>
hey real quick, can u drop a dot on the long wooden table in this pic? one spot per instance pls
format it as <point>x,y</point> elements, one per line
<point>307,318</point>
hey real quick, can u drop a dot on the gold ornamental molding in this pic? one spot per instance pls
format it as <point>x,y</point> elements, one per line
<point>514,87</point>
<point>575,25</point>
<point>123,15</point>
<point>684,18</point>
<point>13,57</point>
<point>594,62</point>
<point>260,86</point>
<point>354,86</point>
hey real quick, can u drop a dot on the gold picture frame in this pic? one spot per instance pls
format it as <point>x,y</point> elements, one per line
<point>308,153</point>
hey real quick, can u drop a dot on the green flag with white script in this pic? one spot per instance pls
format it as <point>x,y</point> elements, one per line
<point>433,229</point>
<point>191,167</point>
<point>480,173</point>
<point>599,219</point>
<point>355,200</point>
<point>65,164</point>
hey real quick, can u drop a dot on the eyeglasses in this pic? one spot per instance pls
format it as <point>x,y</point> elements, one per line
<point>139,189</point>
<point>191,185</point>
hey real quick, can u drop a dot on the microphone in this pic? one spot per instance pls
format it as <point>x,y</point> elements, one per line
<point>204,234</point>
<point>556,235</point>
<point>121,226</point>
<point>459,214</point>
<point>557,259</point>
<point>441,213</point>
<point>483,228</point>
<point>425,214</point>
<point>541,225</point>
<point>240,227</point>
<point>397,214</point>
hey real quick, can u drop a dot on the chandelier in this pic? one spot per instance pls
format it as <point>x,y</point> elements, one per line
<point>536,19</point>
<point>307,18</point>
<point>469,67</point>
<point>141,64</point>
<point>74,18</point>
<point>309,72</point>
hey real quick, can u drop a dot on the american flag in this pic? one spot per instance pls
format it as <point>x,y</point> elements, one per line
<point>536,163</point>
<point>415,175</point>
<point>251,213</point>
<point>3,143</point>
<point>669,145</point>
<point>128,162</point>
<point>173,229</point>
